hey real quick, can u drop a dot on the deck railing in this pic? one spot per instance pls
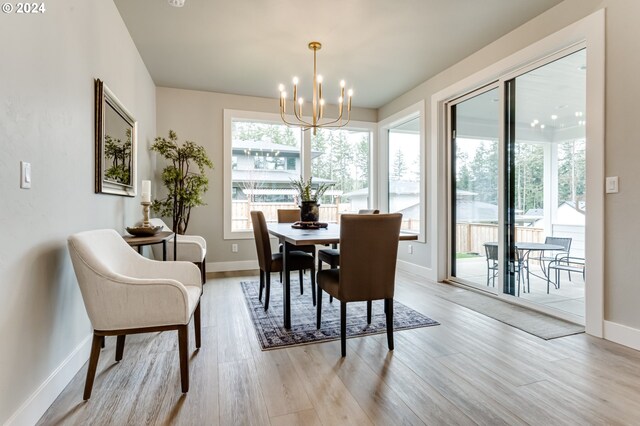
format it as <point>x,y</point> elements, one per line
<point>470,237</point>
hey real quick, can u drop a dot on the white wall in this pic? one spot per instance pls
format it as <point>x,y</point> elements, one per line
<point>49,62</point>
<point>621,151</point>
<point>198,116</point>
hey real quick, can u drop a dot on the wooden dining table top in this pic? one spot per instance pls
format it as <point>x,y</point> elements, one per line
<point>328,235</point>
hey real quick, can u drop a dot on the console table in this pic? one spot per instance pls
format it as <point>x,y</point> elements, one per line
<point>159,238</point>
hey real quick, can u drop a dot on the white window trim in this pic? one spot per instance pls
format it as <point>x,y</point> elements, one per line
<point>409,113</point>
<point>231,114</point>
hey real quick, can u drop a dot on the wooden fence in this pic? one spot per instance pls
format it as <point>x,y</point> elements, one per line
<point>470,237</point>
<point>328,213</point>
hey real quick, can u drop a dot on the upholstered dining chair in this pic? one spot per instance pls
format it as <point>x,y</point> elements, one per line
<point>269,262</point>
<point>369,249</point>
<point>331,256</point>
<point>292,216</point>
<point>191,248</point>
<point>125,293</point>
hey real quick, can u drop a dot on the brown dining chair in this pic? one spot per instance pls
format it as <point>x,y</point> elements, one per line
<point>292,216</point>
<point>369,249</point>
<point>331,256</point>
<point>269,262</point>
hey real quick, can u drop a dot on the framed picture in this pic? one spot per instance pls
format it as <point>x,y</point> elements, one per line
<point>116,144</point>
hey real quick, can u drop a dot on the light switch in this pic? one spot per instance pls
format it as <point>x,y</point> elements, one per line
<point>25,175</point>
<point>612,185</point>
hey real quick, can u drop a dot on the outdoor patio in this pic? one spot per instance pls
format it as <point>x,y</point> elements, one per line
<point>568,298</point>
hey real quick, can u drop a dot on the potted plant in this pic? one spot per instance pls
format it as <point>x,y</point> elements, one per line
<point>308,198</point>
<point>184,179</point>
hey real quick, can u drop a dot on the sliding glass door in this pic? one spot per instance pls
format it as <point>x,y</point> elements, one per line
<point>517,184</point>
<point>474,188</point>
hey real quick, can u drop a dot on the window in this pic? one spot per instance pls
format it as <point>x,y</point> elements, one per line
<point>404,173</point>
<point>265,155</point>
<point>341,158</point>
<point>402,153</point>
<point>259,181</point>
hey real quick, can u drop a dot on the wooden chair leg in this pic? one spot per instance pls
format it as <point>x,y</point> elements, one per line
<point>267,290</point>
<point>196,326</point>
<point>300,272</point>
<point>261,284</point>
<point>102,339</point>
<point>313,285</point>
<point>343,328</point>
<point>120,347</point>
<point>369,303</point>
<point>319,309</point>
<point>389,303</point>
<point>183,349</point>
<point>204,270</point>
<point>93,365</point>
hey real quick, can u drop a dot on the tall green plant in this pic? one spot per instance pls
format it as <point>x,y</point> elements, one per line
<point>185,185</point>
<point>305,189</point>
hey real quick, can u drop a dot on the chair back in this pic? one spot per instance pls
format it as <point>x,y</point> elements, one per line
<point>363,211</point>
<point>368,253</point>
<point>261,236</point>
<point>565,242</point>
<point>288,215</point>
<point>97,255</point>
<point>491,251</point>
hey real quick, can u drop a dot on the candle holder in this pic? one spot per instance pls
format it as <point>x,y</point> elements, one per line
<point>145,214</point>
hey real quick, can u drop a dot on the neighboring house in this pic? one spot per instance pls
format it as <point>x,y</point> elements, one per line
<point>264,170</point>
<point>567,214</point>
<point>404,197</point>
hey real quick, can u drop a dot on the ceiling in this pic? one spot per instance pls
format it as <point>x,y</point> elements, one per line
<point>382,48</point>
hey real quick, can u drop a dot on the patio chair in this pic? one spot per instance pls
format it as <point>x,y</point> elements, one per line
<point>491,253</point>
<point>565,242</point>
<point>565,263</point>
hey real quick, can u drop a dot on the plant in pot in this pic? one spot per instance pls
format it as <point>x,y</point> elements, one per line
<point>308,198</point>
<point>184,177</point>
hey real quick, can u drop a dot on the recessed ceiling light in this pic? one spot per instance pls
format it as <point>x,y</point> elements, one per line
<point>176,3</point>
<point>554,117</point>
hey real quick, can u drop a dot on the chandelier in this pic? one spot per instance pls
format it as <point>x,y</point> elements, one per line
<point>317,102</point>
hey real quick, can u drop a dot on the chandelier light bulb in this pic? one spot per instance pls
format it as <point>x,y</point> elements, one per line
<point>342,83</point>
<point>319,79</point>
<point>322,102</point>
<point>340,100</point>
<point>284,95</point>
<point>281,87</point>
<point>300,101</point>
<point>295,80</point>
<point>350,92</point>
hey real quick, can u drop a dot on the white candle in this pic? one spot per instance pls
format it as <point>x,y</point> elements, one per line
<point>146,191</point>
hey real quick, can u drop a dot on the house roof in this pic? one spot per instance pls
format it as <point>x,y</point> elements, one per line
<point>270,176</point>
<point>242,146</point>
<point>395,187</point>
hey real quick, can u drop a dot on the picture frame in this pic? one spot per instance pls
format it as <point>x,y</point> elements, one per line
<point>115,145</point>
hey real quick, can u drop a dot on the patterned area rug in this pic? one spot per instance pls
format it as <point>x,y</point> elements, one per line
<point>272,334</point>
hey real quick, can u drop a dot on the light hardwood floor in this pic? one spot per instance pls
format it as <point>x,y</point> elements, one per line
<point>469,370</point>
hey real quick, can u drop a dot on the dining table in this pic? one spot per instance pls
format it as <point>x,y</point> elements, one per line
<point>291,237</point>
<point>525,249</point>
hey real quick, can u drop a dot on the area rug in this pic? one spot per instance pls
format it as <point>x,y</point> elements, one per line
<point>541,325</point>
<point>272,334</point>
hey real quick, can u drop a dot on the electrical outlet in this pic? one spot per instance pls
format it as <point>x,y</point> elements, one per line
<point>410,249</point>
<point>234,248</point>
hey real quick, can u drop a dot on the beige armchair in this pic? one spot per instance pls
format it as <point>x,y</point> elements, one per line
<point>125,293</point>
<point>191,248</point>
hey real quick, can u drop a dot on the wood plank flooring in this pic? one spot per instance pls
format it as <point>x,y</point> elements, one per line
<point>469,370</point>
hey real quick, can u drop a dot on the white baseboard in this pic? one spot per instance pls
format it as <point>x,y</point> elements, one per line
<point>241,265</point>
<point>37,404</point>
<point>625,335</point>
<point>412,268</point>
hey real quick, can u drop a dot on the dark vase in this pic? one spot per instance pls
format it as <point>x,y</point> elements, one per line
<point>310,211</point>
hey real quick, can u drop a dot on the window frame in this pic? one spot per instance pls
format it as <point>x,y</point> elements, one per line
<point>229,115</point>
<point>412,112</point>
